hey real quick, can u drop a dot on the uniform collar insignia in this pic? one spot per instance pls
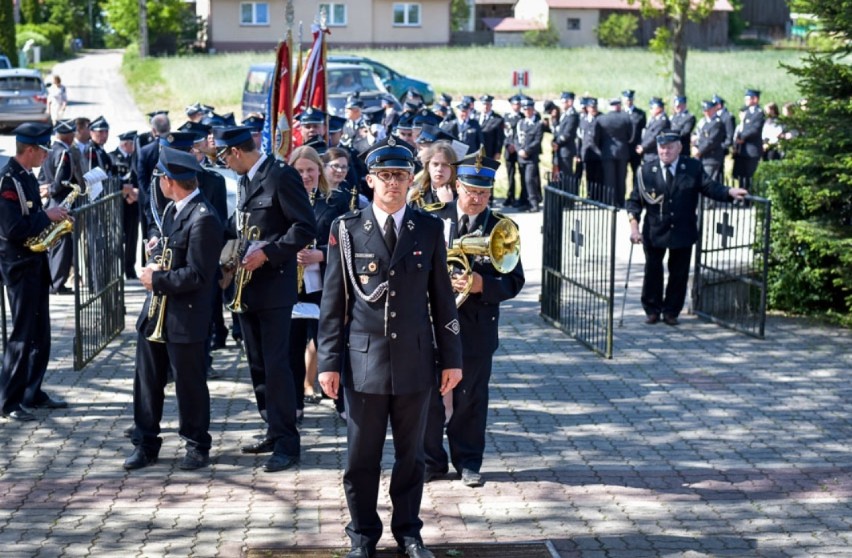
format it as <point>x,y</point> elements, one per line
<point>368,226</point>
<point>410,224</point>
<point>653,169</point>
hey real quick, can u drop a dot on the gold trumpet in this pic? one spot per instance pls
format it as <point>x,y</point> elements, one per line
<point>51,234</point>
<point>300,269</point>
<point>243,276</point>
<point>502,246</point>
<point>158,303</point>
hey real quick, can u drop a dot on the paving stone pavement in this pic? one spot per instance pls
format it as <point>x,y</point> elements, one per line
<point>693,441</point>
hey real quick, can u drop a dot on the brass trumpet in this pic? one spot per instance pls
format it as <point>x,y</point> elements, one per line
<point>242,276</point>
<point>502,246</point>
<point>158,303</point>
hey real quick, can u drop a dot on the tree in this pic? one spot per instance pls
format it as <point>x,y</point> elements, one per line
<point>672,35</point>
<point>31,11</point>
<point>811,187</point>
<point>618,30</point>
<point>165,18</point>
<point>7,32</point>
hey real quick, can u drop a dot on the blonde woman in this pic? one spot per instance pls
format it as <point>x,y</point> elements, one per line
<point>57,99</point>
<point>437,181</point>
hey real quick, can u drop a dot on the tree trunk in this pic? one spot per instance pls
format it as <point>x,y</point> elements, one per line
<point>143,28</point>
<point>679,49</point>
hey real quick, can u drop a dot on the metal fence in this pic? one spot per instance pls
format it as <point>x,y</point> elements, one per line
<point>99,275</point>
<point>729,286</point>
<point>578,265</point>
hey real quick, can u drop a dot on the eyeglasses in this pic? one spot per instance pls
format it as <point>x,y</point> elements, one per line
<point>480,194</point>
<point>223,152</point>
<point>338,168</point>
<point>395,176</point>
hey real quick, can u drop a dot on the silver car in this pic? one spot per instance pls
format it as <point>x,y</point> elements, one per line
<point>23,97</point>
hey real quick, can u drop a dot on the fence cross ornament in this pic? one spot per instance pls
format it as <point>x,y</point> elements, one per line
<point>577,238</point>
<point>725,229</point>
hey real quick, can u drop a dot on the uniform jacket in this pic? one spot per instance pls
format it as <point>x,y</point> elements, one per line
<point>20,218</point>
<point>468,132</point>
<point>710,141</point>
<point>683,123</point>
<point>616,133</point>
<point>752,133</point>
<point>728,122</point>
<point>589,138</point>
<point>325,212</point>
<point>146,161</point>
<point>279,206</point>
<point>565,134</point>
<point>125,166</point>
<point>194,240</point>
<point>656,125</point>
<point>479,315</point>
<point>62,165</point>
<point>493,134</point>
<point>529,136</point>
<point>638,119</point>
<point>212,185</point>
<point>672,223</point>
<point>510,123</point>
<point>390,342</point>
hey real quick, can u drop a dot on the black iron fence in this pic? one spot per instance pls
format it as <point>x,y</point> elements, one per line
<point>99,274</point>
<point>729,285</point>
<point>578,265</point>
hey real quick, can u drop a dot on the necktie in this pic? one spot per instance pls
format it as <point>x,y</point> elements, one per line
<point>390,234</point>
<point>669,176</point>
<point>464,225</point>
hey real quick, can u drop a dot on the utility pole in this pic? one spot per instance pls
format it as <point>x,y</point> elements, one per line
<point>143,28</point>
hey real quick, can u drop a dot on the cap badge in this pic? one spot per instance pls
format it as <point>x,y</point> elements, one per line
<point>391,141</point>
<point>170,138</point>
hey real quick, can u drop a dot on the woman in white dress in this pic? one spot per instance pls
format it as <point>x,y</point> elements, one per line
<point>57,99</point>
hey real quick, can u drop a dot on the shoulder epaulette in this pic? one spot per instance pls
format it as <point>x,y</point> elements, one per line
<point>351,214</point>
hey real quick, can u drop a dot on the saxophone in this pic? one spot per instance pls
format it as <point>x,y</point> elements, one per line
<point>47,238</point>
<point>158,303</point>
<point>300,269</point>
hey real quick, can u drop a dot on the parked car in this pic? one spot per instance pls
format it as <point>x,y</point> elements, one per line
<point>23,97</point>
<point>393,81</point>
<point>343,80</point>
<point>5,63</point>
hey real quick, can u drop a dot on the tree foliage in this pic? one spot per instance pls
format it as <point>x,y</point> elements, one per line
<point>7,32</point>
<point>547,37</point>
<point>166,18</point>
<point>672,36</point>
<point>31,11</point>
<point>811,188</point>
<point>618,30</point>
<point>459,14</point>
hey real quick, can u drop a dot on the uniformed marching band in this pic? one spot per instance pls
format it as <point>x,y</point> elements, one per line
<point>373,260</point>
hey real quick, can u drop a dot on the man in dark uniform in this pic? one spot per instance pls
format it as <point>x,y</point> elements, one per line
<point>492,126</point>
<point>749,140</point>
<point>124,161</point>
<point>446,101</point>
<point>271,197</point>
<point>386,278</point>
<point>352,136</point>
<point>565,136</point>
<point>390,116</point>
<point>728,122</point>
<point>682,122</point>
<point>658,123</point>
<point>616,131</point>
<point>710,142</point>
<point>26,277</point>
<point>172,336</point>
<point>590,151</point>
<point>479,317</point>
<point>312,126</point>
<point>639,119</point>
<point>668,189</point>
<point>528,144</point>
<point>99,131</point>
<point>510,155</point>
<point>466,128</point>
<point>146,161</point>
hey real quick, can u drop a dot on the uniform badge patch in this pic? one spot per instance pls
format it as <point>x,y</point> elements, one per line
<point>368,226</point>
<point>332,240</point>
<point>10,195</point>
<point>29,204</point>
<point>410,225</point>
<point>364,279</point>
<point>454,326</point>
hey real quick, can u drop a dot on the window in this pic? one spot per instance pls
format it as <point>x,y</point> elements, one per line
<point>254,13</point>
<point>406,14</point>
<point>336,14</point>
<point>573,24</point>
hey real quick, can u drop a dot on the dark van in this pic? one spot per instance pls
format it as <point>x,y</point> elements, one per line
<point>256,89</point>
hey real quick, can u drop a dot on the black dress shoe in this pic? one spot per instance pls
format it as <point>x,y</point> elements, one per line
<point>62,291</point>
<point>471,478</point>
<point>360,552</point>
<point>652,319</point>
<point>49,403</point>
<point>280,462</point>
<point>128,432</point>
<point>534,208</point>
<point>194,459</point>
<point>671,320</point>
<point>20,415</point>
<point>264,446</point>
<point>431,475</point>
<point>139,459</point>
<point>415,550</point>
<point>508,202</point>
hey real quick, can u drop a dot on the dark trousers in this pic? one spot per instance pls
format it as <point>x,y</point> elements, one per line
<point>594,171</point>
<point>28,346</point>
<point>713,169</point>
<point>267,335</point>
<point>532,180</point>
<point>652,287</point>
<point>635,159</point>
<point>615,180</point>
<point>131,237</point>
<point>511,166</point>
<point>302,331</point>
<point>61,257</point>
<point>565,164</point>
<point>366,431</point>
<point>466,429</point>
<point>154,362</point>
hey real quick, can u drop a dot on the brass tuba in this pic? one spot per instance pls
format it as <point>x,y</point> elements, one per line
<point>502,246</point>
<point>51,234</point>
<point>158,303</point>
<point>242,275</point>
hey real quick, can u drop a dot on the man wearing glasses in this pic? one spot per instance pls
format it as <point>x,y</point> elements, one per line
<point>479,317</point>
<point>386,277</point>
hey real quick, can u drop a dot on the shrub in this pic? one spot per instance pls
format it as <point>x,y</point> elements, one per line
<point>618,30</point>
<point>38,39</point>
<point>52,32</point>
<point>542,38</point>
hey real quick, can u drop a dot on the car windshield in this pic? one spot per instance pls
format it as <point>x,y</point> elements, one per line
<point>256,81</point>
<point>20,83</point>
<point>350,80</point>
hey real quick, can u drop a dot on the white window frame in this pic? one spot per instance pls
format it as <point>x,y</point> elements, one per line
<point>254,22</point>
<point>405,7</point>
<point>329,11</point>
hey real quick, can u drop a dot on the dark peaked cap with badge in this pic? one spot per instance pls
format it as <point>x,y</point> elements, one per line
<point>99,123</point>
<point>390,153</point>
<point>477,170</point>
<point>178,140</point>
<point>177,165</point>
<point>231,136</point>
<point>128,136</point>
<point>33,133</point>
<point>667,137</point>
<point>311,116</point>
<point>66,126</point>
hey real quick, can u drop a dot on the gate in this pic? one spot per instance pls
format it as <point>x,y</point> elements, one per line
<point>99,273</point>
<point>578,265</point>
<point>729,286</point>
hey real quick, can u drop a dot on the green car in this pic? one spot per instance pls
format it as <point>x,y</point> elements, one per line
<point>395,82</point>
